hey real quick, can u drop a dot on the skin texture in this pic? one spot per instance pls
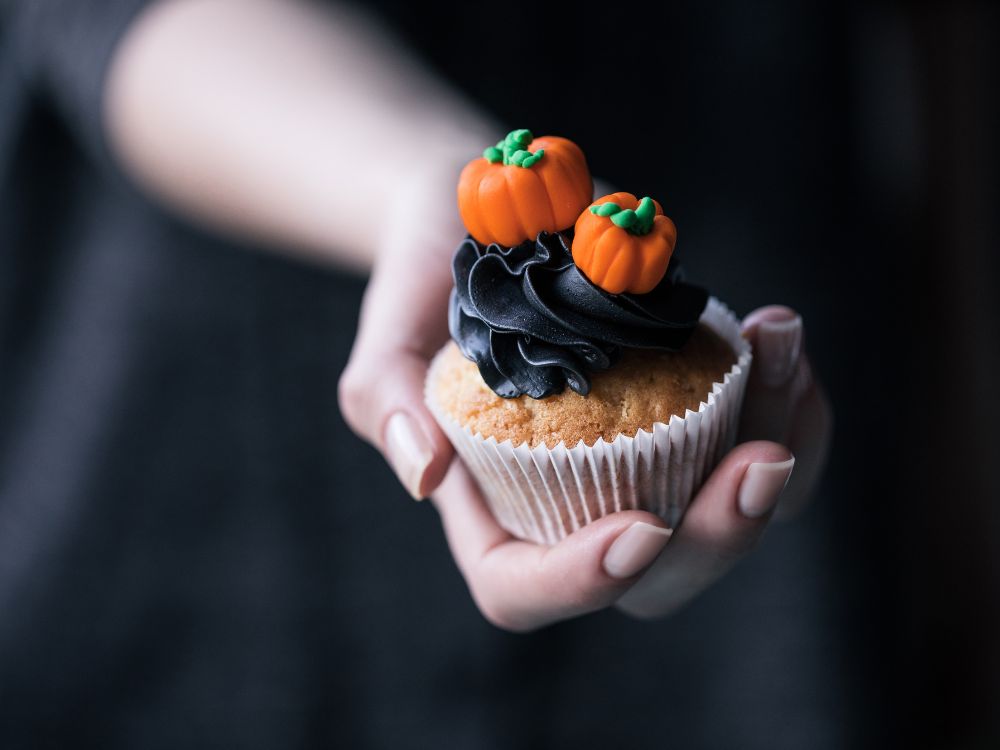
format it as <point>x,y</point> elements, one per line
<point>508,205</point>
<point>297,126</point>
<point>310,132</point>
<point>618,261</point>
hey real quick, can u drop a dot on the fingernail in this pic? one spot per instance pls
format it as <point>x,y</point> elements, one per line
<point>762,484</point>
<point>408,452</point>
<point>635,549</point>
<point>778,346</point>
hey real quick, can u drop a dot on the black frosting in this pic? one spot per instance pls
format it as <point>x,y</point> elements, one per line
<point>532,322</point>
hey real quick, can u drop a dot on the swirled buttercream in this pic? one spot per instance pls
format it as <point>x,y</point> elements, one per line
<point>532,322</point>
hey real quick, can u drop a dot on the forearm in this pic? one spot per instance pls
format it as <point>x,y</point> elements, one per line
<point>285,123</point>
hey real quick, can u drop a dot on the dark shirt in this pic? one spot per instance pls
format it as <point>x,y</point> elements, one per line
<point>194,549</point>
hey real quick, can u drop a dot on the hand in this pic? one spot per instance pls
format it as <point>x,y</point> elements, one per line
<point>403,324</point>
<point>522,586</point>
<point>784,404</point>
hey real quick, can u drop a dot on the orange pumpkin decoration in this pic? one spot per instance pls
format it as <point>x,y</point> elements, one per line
<point>624,245</point>
<point>512,194</point>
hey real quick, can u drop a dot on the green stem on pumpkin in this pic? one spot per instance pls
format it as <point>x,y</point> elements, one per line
<point>638,222</point>
<point>512,150</point>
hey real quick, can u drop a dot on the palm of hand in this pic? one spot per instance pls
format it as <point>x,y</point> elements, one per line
<point>624,558</point>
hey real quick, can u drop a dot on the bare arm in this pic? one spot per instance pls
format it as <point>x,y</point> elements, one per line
<point>283,122</point>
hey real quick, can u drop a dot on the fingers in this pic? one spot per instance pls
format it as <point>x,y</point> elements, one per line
<point>809,441</point>
<point>521,586</point>
<point>381,397</point>
<point>784,402</point>
<point>776,334</point>
<point>403,323</point>
<point>724,522</point>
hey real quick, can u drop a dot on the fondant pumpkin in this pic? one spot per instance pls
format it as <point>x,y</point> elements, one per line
<point>624,245</point>
<point>524,186</point>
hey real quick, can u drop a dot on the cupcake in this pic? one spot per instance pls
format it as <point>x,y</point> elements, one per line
<point>585,375</point>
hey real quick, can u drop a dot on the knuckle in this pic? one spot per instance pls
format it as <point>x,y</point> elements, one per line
<point>498,615</point>
<point>495,615</point>
<point>500,619</point>
<point>352,394</point>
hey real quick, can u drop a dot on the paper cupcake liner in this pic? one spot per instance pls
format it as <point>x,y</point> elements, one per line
<point>544,494</point>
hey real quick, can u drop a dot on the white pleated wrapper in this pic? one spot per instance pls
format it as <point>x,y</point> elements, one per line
<point>544,494</point>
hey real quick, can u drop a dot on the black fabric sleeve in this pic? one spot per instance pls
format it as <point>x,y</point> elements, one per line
<point>61,50</point>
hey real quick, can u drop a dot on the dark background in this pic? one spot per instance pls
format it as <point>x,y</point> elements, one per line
<point>842,160</point>
<point>210,558</point>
